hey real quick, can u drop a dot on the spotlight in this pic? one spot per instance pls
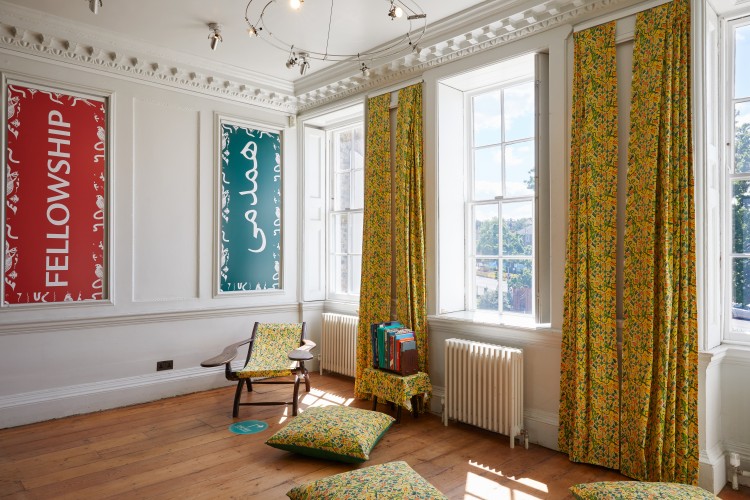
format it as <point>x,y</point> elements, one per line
<point>292,61</point>
<point>215,35</point>
<point>395,11</point>
<point>296,4</point>
<point>252,31</point>
<point>304,65</point>
<point>365,70</point>
<point>94,5</point>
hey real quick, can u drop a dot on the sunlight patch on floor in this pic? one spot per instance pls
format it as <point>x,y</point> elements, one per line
<point>316,397</point>
<point>482,488</point>
<point>525,481</point>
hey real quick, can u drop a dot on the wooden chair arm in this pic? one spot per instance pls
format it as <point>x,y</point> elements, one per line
<point>226,356</point>
<point>307,345</point>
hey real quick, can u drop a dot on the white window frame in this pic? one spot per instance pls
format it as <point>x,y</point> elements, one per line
<point>471,203</point>
<point>331,170</point>
<point>454,284</point>
<point>728,132</point>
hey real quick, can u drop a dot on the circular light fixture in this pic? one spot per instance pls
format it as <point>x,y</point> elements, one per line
<point>415,30</point>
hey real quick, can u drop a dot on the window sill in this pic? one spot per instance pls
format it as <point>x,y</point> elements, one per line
<point>350,307</point>
<point>493,329</point>
<point>492,318</point>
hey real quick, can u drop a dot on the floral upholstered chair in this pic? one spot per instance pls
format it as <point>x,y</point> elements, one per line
<point>275,350</point>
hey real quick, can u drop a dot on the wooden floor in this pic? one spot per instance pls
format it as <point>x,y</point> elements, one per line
<point>181,448</point>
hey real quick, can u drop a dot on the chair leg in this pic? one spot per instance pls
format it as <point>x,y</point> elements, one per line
<point>307,381</point>
<point>296,395</point>
<point>237,395</point>
<point>249,385</point>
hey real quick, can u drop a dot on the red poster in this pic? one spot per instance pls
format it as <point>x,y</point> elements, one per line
<point>54,197</point>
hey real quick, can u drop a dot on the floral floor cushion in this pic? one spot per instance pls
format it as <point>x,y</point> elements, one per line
<point>333,432</point>
<point>393,480</point>
<point>638,490</point>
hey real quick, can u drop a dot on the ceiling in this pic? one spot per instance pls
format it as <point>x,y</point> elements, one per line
<point>181,27</point>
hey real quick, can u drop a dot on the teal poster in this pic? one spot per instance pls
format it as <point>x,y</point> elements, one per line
<point>250,209</point>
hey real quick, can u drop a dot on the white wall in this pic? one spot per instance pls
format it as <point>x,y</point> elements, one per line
<point>58,360</point>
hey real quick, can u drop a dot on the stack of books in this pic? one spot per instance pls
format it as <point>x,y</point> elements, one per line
<point>394,348</point>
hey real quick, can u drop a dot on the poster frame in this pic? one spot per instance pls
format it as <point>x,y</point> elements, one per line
<point>107,97</point>
<point>219,120</point>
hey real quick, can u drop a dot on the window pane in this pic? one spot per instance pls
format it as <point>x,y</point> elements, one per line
<point>518,228</point>
<point>356,232</point>
<point>488,177</point>
<point>487,119</point>
<point>486,233</point>
<point>342,192</point>
<point>344,146</point>
<point>358,143</point>
<point>341,274</point>
<point>486,284</point>
<point>516,286</point>
<point>519,111</point>
<point>741,293</point>
<point>519,169</point>
<point>358,189</point>
<point>741,216</point>
<point>356,271</point>
<point>742,137</point>
<point>741,67</point>
<point>340,243</point>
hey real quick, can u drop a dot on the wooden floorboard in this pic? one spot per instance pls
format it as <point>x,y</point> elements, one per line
<point>181,448</point>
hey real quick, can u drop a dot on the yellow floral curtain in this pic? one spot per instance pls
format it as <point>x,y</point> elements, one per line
<point>375,288</point>
<point>408,189</point>
<point>660,354</point>
<point>409,222</point>
<point>589,384</point>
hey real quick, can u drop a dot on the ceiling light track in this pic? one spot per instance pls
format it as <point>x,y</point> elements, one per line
<point>415,26</point>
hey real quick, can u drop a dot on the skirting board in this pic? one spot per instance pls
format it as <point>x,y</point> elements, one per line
<point>712,473</point>
<point>36,406</point>
<point>541,425</point>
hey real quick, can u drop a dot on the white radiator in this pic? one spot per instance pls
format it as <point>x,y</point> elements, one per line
<point>338,349</point>
<point>484,386</point>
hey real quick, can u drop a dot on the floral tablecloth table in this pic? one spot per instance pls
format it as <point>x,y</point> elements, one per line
<point>410,391</point>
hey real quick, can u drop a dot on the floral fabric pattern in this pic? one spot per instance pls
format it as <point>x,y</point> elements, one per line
<point>639,491</point>
<point>333,432</point>
<point>375,288</point>
<point>270,349</point>
<point>406,221</point>
<point>660,351</point>
<point>389,481</point>
<point>395,388</point>
<point>589,384</point>
<point>411,307</point>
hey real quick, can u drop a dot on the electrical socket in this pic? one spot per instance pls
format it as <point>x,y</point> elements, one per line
<point>164,365</point>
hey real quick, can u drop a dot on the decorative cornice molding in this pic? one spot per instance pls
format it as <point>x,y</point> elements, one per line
<point>24,31</point>
<point>17,36</point>
<point>139,319</point>
<point>527,19</point>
